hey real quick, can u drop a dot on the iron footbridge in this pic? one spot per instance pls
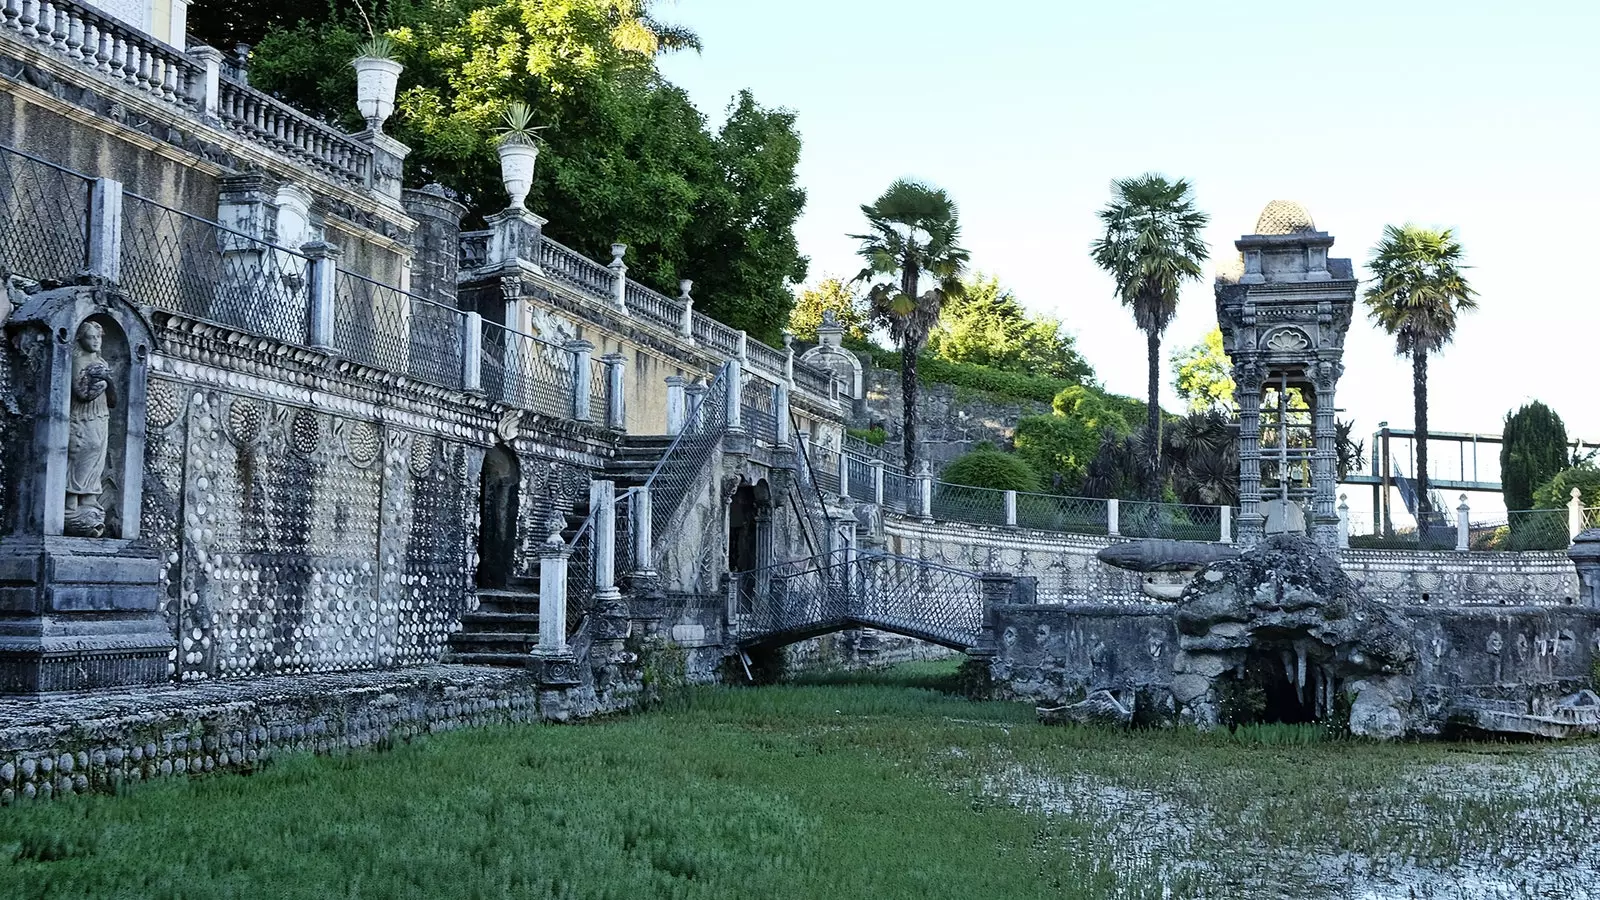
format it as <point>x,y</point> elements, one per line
<point>793,601</point>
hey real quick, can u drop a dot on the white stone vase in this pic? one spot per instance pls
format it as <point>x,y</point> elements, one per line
<point>376,81</point>
<point>516,169</point>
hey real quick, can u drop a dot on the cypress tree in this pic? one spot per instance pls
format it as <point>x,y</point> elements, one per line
<point>1535,449</point>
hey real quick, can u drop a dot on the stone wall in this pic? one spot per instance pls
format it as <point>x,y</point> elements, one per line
<point>953,419</point>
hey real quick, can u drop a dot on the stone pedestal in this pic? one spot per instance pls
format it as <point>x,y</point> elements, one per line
<point>78,614</point>
<point>1585,555</point>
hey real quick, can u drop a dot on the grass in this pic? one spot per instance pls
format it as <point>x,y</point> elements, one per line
<point>843,785</point>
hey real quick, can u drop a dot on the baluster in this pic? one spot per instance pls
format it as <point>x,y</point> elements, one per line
<point>146,73</point>
<point>58,28</point>
<point>28,17</point>
<point>47,15</point>
<point>169,80</point>
<point>13,12</point>
<point>130,61</point>
<point>74,30</point>
<point>102,49</point>
<point>118,52</point>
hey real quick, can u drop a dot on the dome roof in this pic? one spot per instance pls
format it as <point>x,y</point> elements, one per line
<point>1284,217</point>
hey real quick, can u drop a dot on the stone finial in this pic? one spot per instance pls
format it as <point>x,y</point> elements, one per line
<point>553,524</point>
<point>684,286</point>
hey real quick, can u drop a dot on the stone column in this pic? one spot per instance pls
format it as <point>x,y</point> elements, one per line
<point>783,429</point>
<point>1585,555</point>
<point>877,481</point>
<point>1011,508</point>
<point>733,385</point>
<point>694,397</point>
<point>925,490</point>
<point>677,414</point>
<point>639,513</point>
<point>1325,460</point>
<point>553,554</point>
<point>611,612</point>
<point>616,410</point>
<point>1248,391</point>
<point>844,473</point>
<point>515,238</point>
<point>206,91</point>
<point>472,353</point>
<point>1114,517</point>
<point>687,327</point>
<point>105,229</point>
<point>619,276</point>
<point>1574,514</point>
<point>324,271</point>
<point>437,243</point>
<point>582,352</point>
<point>1344,522</point>
<point>1225,514</point>
<point>1463,525</point>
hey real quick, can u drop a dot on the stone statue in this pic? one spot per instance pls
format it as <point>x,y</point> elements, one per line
<point>94,394</point>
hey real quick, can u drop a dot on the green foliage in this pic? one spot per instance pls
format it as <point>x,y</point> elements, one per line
<point>1203,375</point>
<point>992,469</point>
<point>1063,444</point>
<point>627,157</point>
<point>1533,451</point>
<point>987,326</point>
<point>830,294</point>
<point>664,671</point>
<point>874,435</point>
<point>1557,492</point>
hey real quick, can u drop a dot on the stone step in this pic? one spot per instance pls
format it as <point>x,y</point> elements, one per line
<point>493,620</point>
<point>493,642</point>
<point>513,660</point>
<point>498,600</point>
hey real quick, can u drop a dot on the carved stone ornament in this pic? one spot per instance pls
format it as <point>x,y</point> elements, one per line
<point>94,395</point>
<point>1286,340</point>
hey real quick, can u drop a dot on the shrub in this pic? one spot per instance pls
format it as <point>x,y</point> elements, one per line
<point>874,435</point>
<point>1535,449</point>
<point>1557,492</point>
<point>992,469</point>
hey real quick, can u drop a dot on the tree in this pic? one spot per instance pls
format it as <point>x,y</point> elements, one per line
<point>1418,291</point>
<point>993,469</point>
<point>1203,375</point>
<point>987,326</point>
<point>830,295</point>
<point>1062,445</point>
<point>626,156</point>
<point>913,237</point>
<point>1557,492</point>
<point>1150,247</point>
<point>1533,449</point>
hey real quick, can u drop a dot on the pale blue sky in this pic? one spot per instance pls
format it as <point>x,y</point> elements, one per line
<point>1482,116</point>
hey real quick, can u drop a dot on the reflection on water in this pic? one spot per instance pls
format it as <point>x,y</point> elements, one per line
<point>1489,825</point>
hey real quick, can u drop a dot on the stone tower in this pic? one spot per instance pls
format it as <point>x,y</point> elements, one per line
<point>1284,308</point>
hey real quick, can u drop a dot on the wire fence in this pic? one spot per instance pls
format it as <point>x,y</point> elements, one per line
<point>960,503</point>
<point>1050,512</point>
<point>862,478</point>
<point>1175,521</point>
<point>686,461</point>
<point>824,465</point>
<point>526,372</point>
<point>176,261</point>
<point>44,218</point>
<point>379,325</point>
<point>758,408</point>
<point>1591,517</point>
<point>599,390</point>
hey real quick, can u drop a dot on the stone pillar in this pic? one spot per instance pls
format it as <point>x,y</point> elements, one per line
<point>1575,514</point>
<point>877,480</point>
<point>783,429</point>
<point>1325,460</point>
<point>1248,391</point>
<point>206,92</point>
<point>582,352</point>
<point>694,397</point>
<point>998,589</point>
<point>105,229</point>
<point>686,328</point>
<point>788,359</point>
<point>1463,525</point>
<point>741,348</point>
<point>436,243</point>
<point>386,174</point>
<point>553,555</point>
<point>925,490</point>
<point>472,353</point>
<point>733,386</point>
<point>844,473</point>
<point>616,409</point>
<point>1011,508</point>
<point>324,272</point>
<point>619,277</point>
<point>639,514</point>
<point>1585,555</point>
<point>603,506</point>
<point>1344,522</point>
<point>515,238</point>
<point>1113,518</point>
<point>1225,517</point>
<point>677,413</point>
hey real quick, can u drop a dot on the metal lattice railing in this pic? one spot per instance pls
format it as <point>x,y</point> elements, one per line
<point>176,261</point>
<point>1177,521</point>
<point>812,508</point>
<point>686,462</point>
<point>824,468</point>
<point>758,408</point>
<point>44,217</point>
<point>844,588</point>
<point>862,477</point>
<point>599,390</point>
<point>1591,517</point>
<point>900,491</point>
<point>1050,512</point>
<point>1538,529</point>
<point>384,327</point>
<point>960,503</point>
<point>526,372</point>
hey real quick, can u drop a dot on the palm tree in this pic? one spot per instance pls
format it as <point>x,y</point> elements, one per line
<point>1150,247</point>
<point>913,236</point>
<point>1417,291</point>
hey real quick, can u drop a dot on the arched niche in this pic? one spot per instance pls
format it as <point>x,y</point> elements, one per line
<point>498,500</point>
<point>81,369</point>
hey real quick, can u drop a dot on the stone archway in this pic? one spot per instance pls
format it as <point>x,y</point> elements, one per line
<point>497,516</point>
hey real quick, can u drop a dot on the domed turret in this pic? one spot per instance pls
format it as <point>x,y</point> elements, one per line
<point>1284,217</point>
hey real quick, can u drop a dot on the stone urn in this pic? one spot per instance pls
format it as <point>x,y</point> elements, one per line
<point>517,159</point>
<point>376,80</point>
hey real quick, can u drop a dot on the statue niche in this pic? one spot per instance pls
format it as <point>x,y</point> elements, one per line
<point>96,387</point>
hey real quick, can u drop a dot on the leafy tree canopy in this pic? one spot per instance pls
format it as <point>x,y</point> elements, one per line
<point>986,325</point>
<point>626,156</point>
<point>830,295</point>
<point>1534,449</point>
<point>1203,375</point>
<point>1557,492</point>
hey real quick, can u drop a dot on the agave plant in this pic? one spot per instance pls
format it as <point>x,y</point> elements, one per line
<point>519,127</point>
<point>376,47</point>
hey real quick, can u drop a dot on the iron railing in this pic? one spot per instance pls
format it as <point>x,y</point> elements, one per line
<point>758,408</point>
<point>1052,512</point>
<point>599,390</point>
<point>812,509</point>
<point>847,588</point>
<point>862,477</point>
<point>526,372</point>
<point>44,218</point>
<point>687,460</point>
<point>384,327</point>
<point>960,503</point>
<point>173,260</point>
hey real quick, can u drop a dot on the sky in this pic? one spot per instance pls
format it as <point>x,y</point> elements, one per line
<point>1483,117</point>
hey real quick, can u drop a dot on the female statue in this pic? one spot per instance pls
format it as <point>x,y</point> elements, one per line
<point>94,394</point>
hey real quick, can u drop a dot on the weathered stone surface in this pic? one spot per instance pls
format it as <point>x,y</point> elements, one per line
<point>1165,556</point>
<point>1099,708</point>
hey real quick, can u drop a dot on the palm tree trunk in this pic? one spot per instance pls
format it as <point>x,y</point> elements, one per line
<point>1152,488</point>
<point>909,389</point>
<point>1419,394</point>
